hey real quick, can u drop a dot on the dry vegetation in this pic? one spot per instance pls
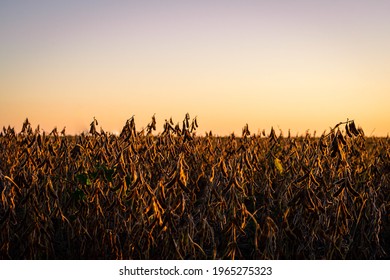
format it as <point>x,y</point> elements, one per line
<point>179,196</point>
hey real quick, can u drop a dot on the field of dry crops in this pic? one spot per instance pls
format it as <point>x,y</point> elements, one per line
<point>179,196</point>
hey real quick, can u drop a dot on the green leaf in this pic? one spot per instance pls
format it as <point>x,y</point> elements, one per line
<point>83,179</point>
<point>278,165</point>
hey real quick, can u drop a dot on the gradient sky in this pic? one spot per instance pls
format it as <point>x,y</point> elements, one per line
<point>295,65</point>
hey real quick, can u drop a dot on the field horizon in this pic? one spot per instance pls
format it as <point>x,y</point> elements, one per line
<point>179,124</point>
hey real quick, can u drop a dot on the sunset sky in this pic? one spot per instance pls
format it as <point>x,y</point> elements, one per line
<point>299,65</point>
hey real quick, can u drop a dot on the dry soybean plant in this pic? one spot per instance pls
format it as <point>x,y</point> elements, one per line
<point>176,195</point>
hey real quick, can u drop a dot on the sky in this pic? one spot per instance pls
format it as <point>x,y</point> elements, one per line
<point>299,65</point>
